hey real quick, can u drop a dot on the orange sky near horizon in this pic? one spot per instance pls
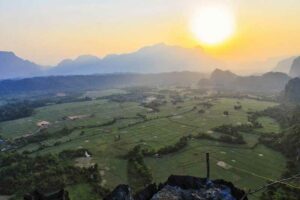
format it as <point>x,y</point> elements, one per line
<point>48,31</point>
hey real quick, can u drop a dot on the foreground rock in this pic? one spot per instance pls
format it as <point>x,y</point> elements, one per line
<point>38,195</point>
<point>181,188</point>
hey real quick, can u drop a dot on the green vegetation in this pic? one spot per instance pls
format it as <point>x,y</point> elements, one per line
<point>244,166</point>
<point>232,133</point>
<point>139,174</point>
<point>21,109</point>
<point>269,125</point>
<point>21,173</point>
<point>81,191</point>
<point>15,111</point>
<point>142,135</point>
<point>288,143</point>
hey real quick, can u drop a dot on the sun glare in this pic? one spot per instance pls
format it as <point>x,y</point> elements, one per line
<point>212,25</point>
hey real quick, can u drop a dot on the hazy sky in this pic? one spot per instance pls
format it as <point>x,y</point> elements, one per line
<point>47,31</point>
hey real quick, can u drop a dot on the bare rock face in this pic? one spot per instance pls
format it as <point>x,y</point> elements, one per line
<point>295,68</point>
<point>38,195</point>
<point>121,192</point>
<point>168,192</point>
<point>182,188</point>
<point>177,193</point>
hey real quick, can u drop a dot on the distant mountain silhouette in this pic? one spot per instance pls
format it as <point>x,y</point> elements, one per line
<point>220,77</point>
<point>295,68</point>
<point>83,65</point>
<point>284,66</point>
<point>11,66</point>
<point>157,58</point>
<point>151,59</point>
<point>225,80</point>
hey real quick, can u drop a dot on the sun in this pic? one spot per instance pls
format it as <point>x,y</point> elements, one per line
<point>212,25</point>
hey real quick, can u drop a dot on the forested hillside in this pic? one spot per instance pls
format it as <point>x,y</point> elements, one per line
<point>90,82</point>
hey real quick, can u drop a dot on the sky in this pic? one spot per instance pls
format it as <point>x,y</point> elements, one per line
<point>47,31</point>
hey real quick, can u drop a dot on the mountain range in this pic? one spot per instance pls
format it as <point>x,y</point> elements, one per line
<point>11,66</point>
<point>152,59</point>
<point>158,58</point>
<point>271,82</point>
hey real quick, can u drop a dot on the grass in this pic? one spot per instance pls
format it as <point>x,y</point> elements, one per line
<point>103,93</point>
<point>215,117</point>
<point>244,173</point>
<point>102,110</point>
<point>249,170</point>
<point>81,192</point>
<point>269,125</point>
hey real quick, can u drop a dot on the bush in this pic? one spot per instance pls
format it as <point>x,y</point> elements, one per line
<point>71,154</point>
<point>183,142</point>
<point>21,173</point>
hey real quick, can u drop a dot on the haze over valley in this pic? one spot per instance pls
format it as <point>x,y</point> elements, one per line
<point>93,106</point>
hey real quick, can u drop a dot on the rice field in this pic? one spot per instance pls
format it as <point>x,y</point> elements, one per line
<point>248,166</point>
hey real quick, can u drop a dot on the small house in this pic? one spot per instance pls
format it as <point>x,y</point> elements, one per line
<point>43,124</point>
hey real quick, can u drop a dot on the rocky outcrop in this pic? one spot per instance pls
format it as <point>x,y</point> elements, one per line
<point>292,91</point>
<point>284,66</point>
<point>181,188</point>
<point>121,192</point>
<point>38,195</point>
<point>295,68</point>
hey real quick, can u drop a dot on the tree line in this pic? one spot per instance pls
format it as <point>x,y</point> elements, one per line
<point>288,143</point>
<point>25,108</point>
<point>21,173</point>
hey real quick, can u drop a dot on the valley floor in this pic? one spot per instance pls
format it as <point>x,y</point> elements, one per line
<point>248,165</point>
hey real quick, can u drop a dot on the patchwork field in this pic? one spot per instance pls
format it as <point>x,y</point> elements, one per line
<point>248,166</point>
<point>269,125</point>
<point>238,167</point>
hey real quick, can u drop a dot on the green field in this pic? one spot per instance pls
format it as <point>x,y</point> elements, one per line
<point>81,192</point>
<point>241,171</point>
<point>102,93</point>
<point>269,125</point>
<point>249,165</point>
